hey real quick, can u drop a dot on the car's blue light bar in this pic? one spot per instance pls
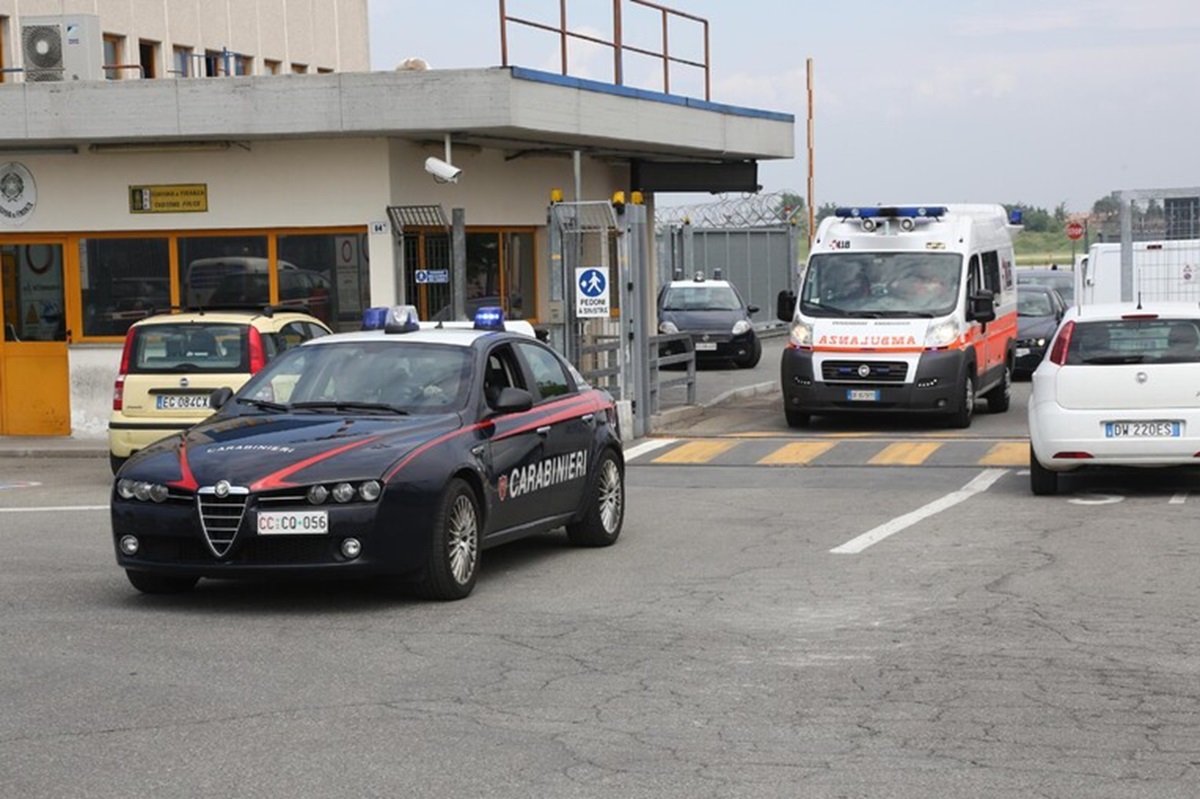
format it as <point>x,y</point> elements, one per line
<point>1016,217</point>
<point>489,318</point>
<point>374,318</point>
<point>396,319</point>
<point>891,212</point>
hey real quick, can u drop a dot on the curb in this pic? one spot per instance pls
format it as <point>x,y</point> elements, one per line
<point>673,416</point>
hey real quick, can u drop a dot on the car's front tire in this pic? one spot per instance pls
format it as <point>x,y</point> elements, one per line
<point>601,522</point>
<point>1000,397</point>
<point>153,583</point>
<point>1042,481</point>
<point>752,357</point>
<point>960,417</point>
<point>453,560</point>
<point>796,418</point>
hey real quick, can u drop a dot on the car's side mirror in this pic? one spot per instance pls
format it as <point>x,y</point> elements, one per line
<point>981,306</point>
<point>785,305</point>
<point>220,397</point>
<point>751,309</point>
<point>512,400</point>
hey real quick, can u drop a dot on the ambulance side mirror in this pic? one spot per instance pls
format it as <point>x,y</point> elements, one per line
<point>981,307</point>
<point>785,306</point>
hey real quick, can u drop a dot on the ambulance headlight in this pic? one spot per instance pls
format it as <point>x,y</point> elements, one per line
<point>741,327</point>
<point>801,334</point>
<point>943,334</point>
<point>668,327</point>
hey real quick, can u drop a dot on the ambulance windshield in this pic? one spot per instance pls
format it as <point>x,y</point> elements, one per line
<point>882,284</point>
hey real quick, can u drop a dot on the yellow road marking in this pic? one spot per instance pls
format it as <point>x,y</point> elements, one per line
<point>797,453</point>
<point>1007,454</point>
<point>905,453</point>
<point>696,452</point>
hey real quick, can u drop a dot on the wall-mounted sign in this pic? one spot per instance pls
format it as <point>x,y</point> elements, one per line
<point>18,193</point>
<point>180,199</point>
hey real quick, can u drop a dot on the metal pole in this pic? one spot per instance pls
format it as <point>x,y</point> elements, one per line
<point>812,213</point>
<point>458,277</point>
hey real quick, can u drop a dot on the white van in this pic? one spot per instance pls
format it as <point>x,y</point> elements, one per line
<point>1163,271</point>
<point>903,308</point>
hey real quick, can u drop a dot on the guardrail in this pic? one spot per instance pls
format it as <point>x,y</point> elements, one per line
<point>600,362</point>
<point>658,382</point>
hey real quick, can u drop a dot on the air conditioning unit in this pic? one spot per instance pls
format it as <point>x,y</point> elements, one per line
<point>67,47</point>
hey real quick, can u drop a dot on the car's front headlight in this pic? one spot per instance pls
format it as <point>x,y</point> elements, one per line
<point>943,334</point>
<point>141,490</point>
<point>741,327</point>
<point>667,327</point>
<point>801,334</point>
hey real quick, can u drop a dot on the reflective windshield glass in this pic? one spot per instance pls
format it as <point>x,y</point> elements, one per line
<point>1135,341</point>
<point>189,347</point>
<point>417,377</point>
<point>884,284</point>
<point>700,297</point>
<point>1034,303</point>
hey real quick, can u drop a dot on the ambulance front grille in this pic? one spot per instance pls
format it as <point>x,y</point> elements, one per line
<point>221,516</point>
<point>853,371</point>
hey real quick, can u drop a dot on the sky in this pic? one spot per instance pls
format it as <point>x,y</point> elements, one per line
<point>1023,101</point>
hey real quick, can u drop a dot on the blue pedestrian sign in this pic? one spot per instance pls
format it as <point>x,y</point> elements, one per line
<point>591,299</point>
<point>433,275</point>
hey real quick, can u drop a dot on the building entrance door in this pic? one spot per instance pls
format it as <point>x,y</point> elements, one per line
<point>35,394</point>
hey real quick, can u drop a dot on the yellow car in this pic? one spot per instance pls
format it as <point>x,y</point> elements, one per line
<point>173,362</point>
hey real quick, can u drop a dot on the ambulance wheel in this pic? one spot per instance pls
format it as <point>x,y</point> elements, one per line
<point>796,418</point>
<point>960,417</point>
<point>453,560</point>
<point>1000,397</point>
<point>1042,481</point>
<point>601,522</point>
<point>151,583</point>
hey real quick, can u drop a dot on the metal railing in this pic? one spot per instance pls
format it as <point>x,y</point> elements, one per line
<point>658,381</point>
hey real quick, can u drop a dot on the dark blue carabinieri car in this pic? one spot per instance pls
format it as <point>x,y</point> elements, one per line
<point>405,450</point>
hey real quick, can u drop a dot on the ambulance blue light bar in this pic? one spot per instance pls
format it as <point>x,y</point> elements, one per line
<point>489,318</point>
<point>891,212</point>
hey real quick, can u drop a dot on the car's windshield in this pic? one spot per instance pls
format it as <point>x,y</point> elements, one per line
<point>353,376</point>
<point>881,284</point>
<point>700,297</point>
<point>1125,341</point>
<point>1034,303</point>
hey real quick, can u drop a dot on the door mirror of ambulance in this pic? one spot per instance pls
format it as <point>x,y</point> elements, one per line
<point>785,306</point>
<point>220,397</point>
<point>982,306</point>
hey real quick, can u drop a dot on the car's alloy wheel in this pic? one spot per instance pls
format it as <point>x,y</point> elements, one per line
<point>453,560</point>
<point>604,515</point>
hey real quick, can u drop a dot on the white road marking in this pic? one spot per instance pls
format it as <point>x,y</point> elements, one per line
<point>978,485</point>
<point>54,510</point>
<point>648,445</point>
<point>1178,499</point>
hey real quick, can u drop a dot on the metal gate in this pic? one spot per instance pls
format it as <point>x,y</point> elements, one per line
<point>425,244</point>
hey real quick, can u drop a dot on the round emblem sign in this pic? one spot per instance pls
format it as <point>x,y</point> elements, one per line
<point>18,193</point>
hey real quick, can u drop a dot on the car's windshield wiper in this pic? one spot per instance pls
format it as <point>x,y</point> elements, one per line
<point>266,405</point>
<point>350,406</point>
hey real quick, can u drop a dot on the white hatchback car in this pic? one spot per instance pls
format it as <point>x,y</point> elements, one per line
<point>1120,386</point>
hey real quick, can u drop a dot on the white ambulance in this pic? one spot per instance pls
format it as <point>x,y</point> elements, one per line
<point>903,309</point>
<point>1166,270</point>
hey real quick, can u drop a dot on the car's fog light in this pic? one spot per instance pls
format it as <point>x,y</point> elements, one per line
<point>158,492</point>
<point>318,494</point>
<point>351,548</point>
<point>343,492</point>
<point>370,490</point>
<point>129,545</point>
<point>125,489</point>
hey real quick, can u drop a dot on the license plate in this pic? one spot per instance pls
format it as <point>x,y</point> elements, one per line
<point>707,346</point>
<point>282,522</point>
<point>1166,429</point>
<point>1022,352</point>
<point>862,395</point>
<point>176,402</point>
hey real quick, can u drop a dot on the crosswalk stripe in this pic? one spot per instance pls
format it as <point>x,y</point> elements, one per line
<point>1007,454</point>
<point>799,452</point>
<point>696,451</point>
<point>905,453</point>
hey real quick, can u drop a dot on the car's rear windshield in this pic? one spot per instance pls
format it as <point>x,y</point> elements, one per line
<point>1127,341</point>
<point>195,347</point>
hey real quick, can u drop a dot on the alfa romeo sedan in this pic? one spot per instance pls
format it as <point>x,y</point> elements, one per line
<point>1118,388</point>
<point>403,450</point>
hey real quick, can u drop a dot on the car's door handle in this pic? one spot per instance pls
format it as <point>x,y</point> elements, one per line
<point>543,430</point>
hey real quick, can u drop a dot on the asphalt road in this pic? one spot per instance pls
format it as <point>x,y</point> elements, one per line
<point>831,632</point>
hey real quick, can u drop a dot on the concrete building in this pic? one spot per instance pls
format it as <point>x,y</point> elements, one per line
<point>117,187</point>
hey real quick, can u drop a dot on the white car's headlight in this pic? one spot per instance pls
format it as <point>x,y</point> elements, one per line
<point>943,334</point>
<point>741,326</point>
<point>667,327</point>
<point>801,334</point>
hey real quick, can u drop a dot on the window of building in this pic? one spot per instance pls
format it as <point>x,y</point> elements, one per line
<point>114,56</point>
<point>242,64</point>
<point>300,68</point>
<point>327,272</point>
<point>225,270</point>
<point>271,67</point>
<point>215,63</point>
<point>148,58</point>
<point>122,280</point>
<point>181,62</point>
<point>323,70</point>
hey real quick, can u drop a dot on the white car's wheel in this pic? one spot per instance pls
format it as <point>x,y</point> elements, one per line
<point>1042,481</point>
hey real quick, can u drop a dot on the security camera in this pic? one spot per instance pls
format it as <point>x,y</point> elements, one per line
<point>442,171</point>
